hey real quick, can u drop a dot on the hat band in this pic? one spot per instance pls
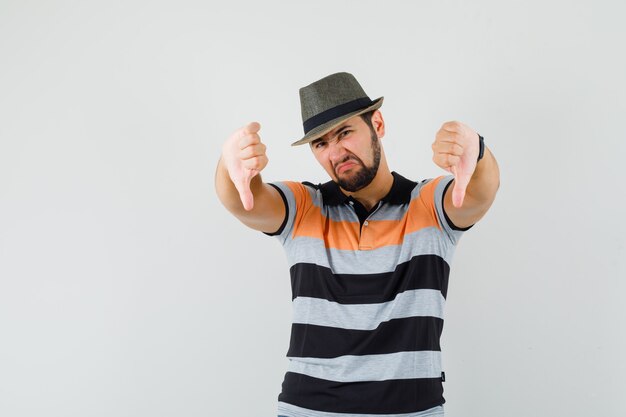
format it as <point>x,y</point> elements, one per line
<point>334,112</point>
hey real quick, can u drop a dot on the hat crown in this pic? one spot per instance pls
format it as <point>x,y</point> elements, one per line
<point>329,92</point>
<point>330,101</point>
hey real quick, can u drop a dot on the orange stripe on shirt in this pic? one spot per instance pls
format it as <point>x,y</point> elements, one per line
<point>427,199</point>
<point>344,235</point>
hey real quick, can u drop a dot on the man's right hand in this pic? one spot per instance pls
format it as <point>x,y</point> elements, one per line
<point>244,157</point>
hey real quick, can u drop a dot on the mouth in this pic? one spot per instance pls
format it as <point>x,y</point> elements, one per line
<point>345,166</point>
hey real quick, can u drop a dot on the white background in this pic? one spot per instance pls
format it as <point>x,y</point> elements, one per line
<point>126,289</point>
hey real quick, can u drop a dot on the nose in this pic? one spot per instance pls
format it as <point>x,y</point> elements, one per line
<point>336,151</point>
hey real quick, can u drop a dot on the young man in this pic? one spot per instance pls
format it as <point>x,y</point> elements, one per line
<point>369,252</point>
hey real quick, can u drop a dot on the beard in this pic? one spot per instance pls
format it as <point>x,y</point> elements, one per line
<point>365,175</point>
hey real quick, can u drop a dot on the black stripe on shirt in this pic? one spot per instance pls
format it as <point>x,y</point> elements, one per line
<point>393,396</point>
<point>397,335</point>
<point>421,272</point>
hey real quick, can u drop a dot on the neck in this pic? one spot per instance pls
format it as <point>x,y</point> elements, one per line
<point>379,187</point>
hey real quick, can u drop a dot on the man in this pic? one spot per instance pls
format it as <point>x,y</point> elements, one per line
<point>369,252</point>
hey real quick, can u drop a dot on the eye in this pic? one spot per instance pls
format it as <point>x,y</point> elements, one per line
<point>344,133</point>
<point>319,145</point>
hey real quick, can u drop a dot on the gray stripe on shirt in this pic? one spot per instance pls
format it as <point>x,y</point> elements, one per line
<point>380,367</point>
<point>290,410</point>
<point>426,241</point>
<point>411,303</point>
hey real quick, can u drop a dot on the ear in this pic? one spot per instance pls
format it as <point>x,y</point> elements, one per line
<point>379,123</point>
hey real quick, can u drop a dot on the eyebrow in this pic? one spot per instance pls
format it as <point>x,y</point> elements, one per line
<point>333,134</point>
<point>341,129</point>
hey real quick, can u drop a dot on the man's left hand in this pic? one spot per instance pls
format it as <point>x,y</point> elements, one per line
<point>456,149</point>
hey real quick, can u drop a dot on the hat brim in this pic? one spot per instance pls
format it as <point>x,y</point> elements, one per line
<point>322,129</point>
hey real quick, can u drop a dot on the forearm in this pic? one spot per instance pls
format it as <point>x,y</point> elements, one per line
<point>485,180</point>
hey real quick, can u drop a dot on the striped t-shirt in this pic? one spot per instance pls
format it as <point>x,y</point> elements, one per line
<point>368,299</point>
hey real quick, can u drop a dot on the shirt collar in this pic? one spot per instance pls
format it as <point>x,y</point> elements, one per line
<point>400,192</point>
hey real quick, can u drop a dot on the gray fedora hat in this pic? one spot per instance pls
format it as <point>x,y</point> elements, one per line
<point>328,102</point>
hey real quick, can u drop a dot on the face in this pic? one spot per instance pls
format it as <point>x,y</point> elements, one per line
<point>350,154</point>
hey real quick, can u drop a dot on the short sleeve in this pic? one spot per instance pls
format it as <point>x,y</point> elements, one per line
<point>436,188</point>
<point>296,198</point>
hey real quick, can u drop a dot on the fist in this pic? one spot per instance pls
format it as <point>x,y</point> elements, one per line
<point>244,157</point>
<point>456,149</point>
